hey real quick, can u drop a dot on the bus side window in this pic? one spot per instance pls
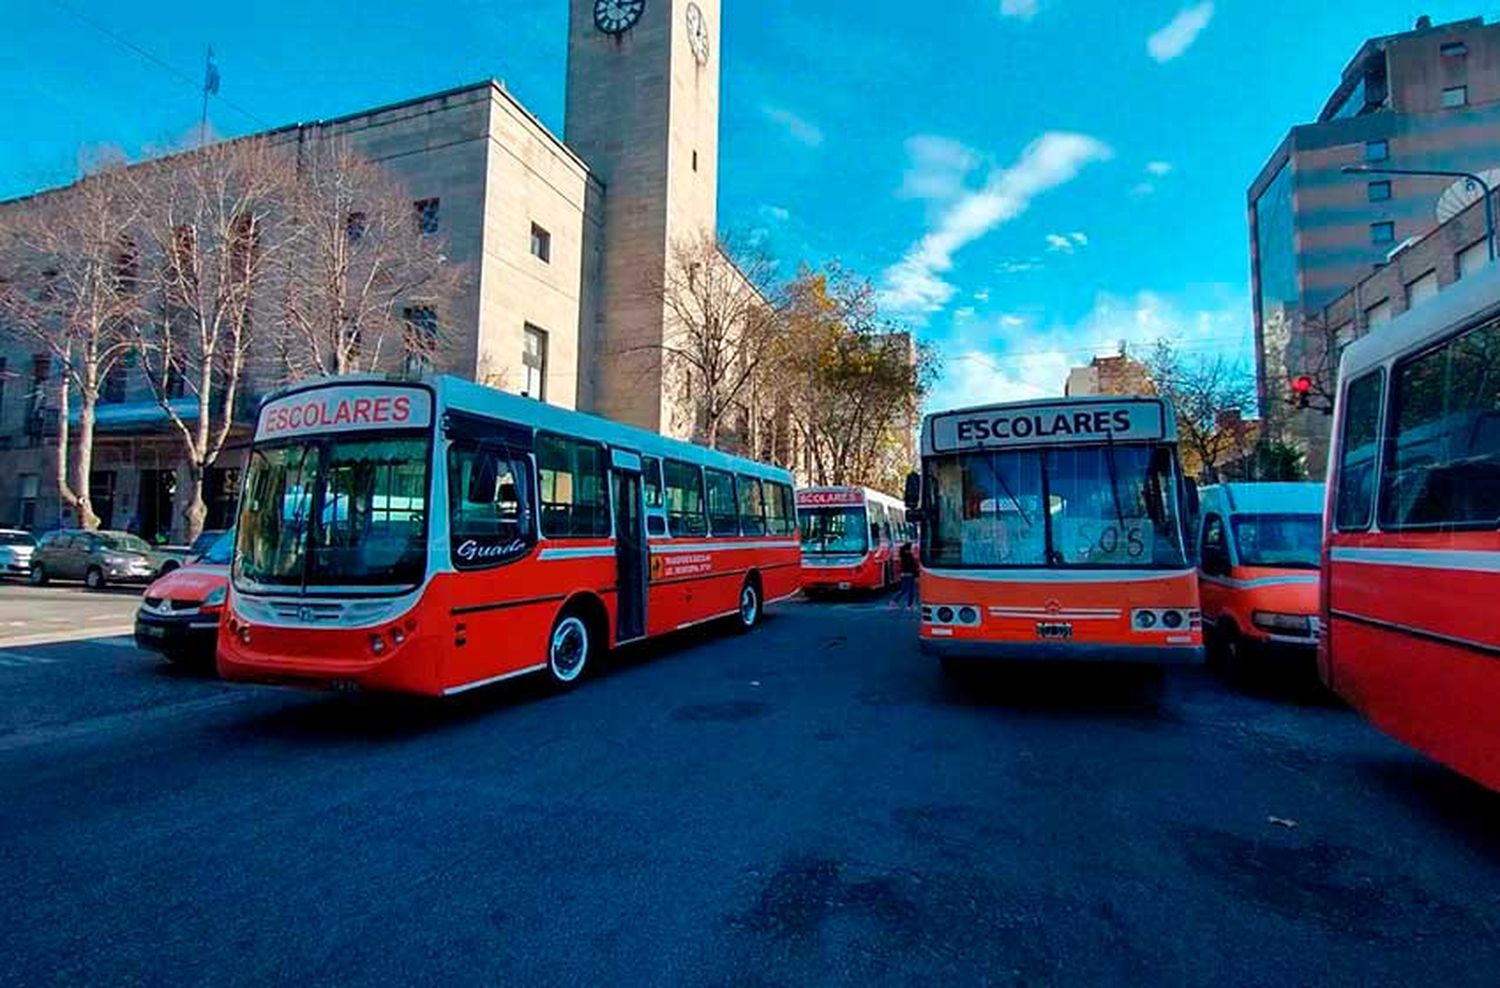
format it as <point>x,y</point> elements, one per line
<point>723,515</point>
<point>752,508</point>
<point>573,490</point>
<point>1354,505</point>
<point>656,519</point>
<point>489,497</point>
<point>781,509</point>
<point>682,485</point>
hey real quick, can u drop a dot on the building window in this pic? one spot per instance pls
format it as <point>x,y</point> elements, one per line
<point>1472,258</point>
<point>421,339</point>
<point>28,486</point>
<point>1383,233</point>
<point>1454,49</point>
<point>695,161</point>
<point>1421,289</point>
<point>1377,150</point>
<point>41,369</point>
<point>1456,96</point>
<point>534,361</point>
<point>355,225</point>
<point>427,216</point>
<point>1378,314</point>
<point>116,380</point>
<point>541,244</point>
<point>1378,191</point>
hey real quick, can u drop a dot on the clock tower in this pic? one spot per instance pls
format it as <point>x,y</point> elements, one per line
<point>643,114</point>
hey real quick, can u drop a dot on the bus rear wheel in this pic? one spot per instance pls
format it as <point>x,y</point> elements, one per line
<point>748,614</point>
<point>569,648</point>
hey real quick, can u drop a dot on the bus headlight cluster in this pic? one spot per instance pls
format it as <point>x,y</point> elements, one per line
<point>1287,624</point>
<point>963,615</point>
<point>1164,619</point>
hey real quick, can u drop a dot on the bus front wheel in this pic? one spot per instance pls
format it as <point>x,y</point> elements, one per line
<point>748,614</point>
<point>569,648</point>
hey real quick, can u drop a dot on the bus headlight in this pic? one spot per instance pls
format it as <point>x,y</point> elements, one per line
<point>968,615</point>
<point>1145,619</point>
<point>1171,619</point>
<point>1290,624</point>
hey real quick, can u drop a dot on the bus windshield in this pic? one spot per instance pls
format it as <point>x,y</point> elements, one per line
<point>1112,506</point>
<point>1284,540</point>
<point>344,512</point>
<point>829,530</point>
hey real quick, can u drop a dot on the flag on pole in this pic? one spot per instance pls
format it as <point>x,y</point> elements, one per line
<point>210,76</point>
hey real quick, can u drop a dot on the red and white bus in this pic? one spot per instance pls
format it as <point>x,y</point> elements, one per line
<point>439,536</point>
<point>1412,547</point>
<point>851,538</point>
<point>1056,530</point>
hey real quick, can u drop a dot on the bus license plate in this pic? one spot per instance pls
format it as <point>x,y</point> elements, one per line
<point>1054,630</point>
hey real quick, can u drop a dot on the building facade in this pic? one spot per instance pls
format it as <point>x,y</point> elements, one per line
<point>1116,375</point>
<point>1424,99</point>
<point>566,244</point>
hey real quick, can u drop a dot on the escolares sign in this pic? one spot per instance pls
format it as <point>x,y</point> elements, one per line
<point>1048,425</point>
<point>345,408</point>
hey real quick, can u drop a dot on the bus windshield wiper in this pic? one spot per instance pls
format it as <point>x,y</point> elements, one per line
<point>1114,485</point>
<point>995,473</point>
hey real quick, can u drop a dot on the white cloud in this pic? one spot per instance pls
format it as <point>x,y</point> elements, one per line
<point>964,314</point>
<point>1142,189</point>
<point>982,296</point>
<point>1158,168</point>
<point>1024,9</point>
<point>936,168</point>
<point>1020,267</point>
<point>916,285</point>
<point>1180,32</point>
<point>778,213</point>
<point>1066,243</point>
<point>1016,356</point>
<point>802,131</point>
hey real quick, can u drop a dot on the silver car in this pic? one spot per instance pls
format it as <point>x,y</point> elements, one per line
<point>15,552</point>
<point>96,558</point>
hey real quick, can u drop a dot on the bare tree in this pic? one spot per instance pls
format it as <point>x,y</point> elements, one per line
<point>1201,392</point>
<point>718,333</point>
<point>847,382</point>
<point>368,282</point>
<point>213,223</point>
<point>69,285</point>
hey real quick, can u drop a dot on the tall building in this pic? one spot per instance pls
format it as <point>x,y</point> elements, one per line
<point>1423,99</point>
<point>566,243</point>
<point>1120,374</point>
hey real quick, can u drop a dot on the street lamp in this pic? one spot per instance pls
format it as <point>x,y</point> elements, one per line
<point>1489,209</point>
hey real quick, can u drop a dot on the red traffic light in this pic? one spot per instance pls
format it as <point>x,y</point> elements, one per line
<point>1301,385</point>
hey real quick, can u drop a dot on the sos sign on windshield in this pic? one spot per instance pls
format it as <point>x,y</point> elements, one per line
<point>1042,425</point>
<point>348,408</point>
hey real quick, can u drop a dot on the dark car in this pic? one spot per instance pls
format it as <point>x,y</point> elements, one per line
<point>97,558</point>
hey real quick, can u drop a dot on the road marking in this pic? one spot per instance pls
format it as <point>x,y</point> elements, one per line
<point>71,635</point>
<point>19,659</point>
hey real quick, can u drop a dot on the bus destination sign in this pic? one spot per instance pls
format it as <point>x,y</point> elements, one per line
<point>346,408</point>
<point>829,497</point>
<point>1046,425</point>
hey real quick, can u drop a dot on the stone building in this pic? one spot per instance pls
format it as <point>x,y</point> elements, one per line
<point>1420,100</point>
<point>565,240</point>
<point>1116,375</point>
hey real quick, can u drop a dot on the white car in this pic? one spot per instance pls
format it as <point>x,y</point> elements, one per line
<point>16,548</point>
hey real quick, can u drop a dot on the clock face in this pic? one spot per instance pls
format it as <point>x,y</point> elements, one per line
<point>697,33</point>
<point>617,16</point>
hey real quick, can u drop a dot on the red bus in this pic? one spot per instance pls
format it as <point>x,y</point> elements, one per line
<point>851,537</point>
<point>1412,542</point>
<point>439,536</point>
<point>1056,530</point>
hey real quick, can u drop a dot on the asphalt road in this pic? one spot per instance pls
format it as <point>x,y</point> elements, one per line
<point>811,804</point>
<point>60,612</point>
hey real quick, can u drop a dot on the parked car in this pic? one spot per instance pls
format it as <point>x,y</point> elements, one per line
<point>179,614</point>
<point>97,558</point>
<point>16,548</point>
<point>1259,549</point>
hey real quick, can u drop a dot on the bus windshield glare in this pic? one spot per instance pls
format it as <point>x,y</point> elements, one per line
<point>1112,506</point>
<point>342,512</point>
<point>829,530</point>
<point>1285,540</point>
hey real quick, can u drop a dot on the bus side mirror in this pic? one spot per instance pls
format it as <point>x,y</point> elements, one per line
<point>914,492</point>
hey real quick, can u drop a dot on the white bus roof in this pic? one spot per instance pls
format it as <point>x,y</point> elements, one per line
<point>1467,302</point>
<point>460,395</point>
<point>1265,499</point>
<point>1050,422</point>
<point>869,494</point>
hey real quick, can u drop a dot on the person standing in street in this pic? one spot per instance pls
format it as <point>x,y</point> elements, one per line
<point>906,596</point>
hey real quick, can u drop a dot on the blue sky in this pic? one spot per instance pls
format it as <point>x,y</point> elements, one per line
<point>1028,181</point>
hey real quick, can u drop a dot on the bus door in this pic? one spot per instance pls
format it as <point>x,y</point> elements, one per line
<point>632,555</point>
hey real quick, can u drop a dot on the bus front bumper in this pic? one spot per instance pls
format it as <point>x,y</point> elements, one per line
<point>992,651</point>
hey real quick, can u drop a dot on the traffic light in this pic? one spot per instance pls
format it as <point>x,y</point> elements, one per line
<point>1301,388</point>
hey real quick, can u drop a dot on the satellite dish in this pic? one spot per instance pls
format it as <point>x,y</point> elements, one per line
<point>1462,194</point>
